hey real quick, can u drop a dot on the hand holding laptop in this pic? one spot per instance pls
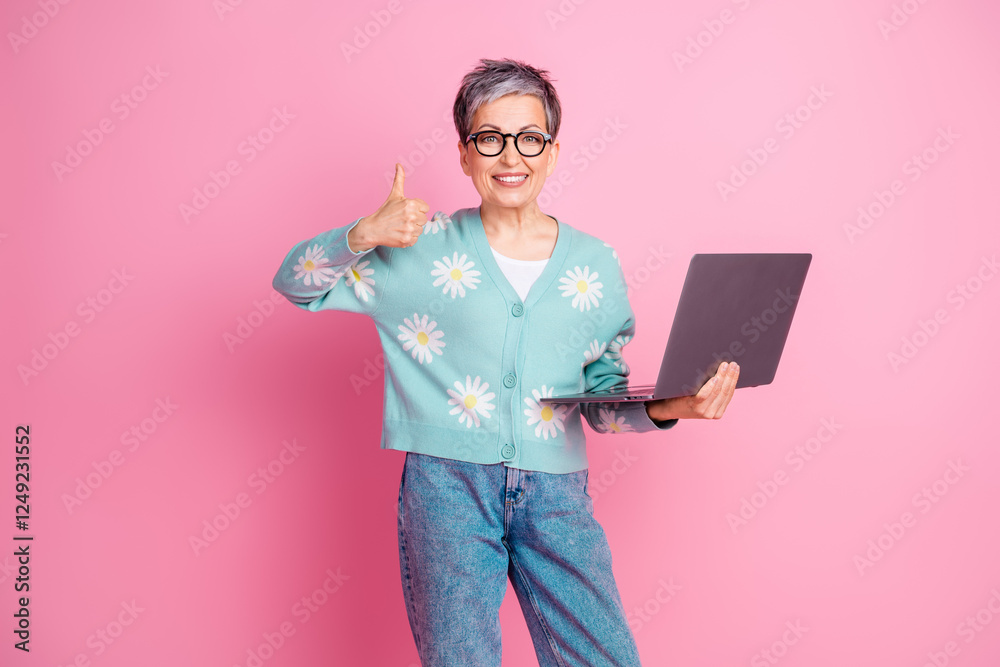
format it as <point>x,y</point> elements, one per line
<point>709,403</point>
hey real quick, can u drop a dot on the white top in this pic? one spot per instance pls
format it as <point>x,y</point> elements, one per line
<point>520,273</point>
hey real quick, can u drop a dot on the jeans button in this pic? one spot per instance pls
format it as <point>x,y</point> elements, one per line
<point>509,380</point>
<point>508,451</point>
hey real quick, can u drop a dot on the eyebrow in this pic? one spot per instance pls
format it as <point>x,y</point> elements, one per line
<point>499,130</point>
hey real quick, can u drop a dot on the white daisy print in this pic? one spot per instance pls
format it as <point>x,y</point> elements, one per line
<point>583,287</point>
<point>359,277</point>
<point>420,339</point>
<point>547,418</point>
<point>471,401</point>
<point>595,351</point>
<point>612,424</point>
<point>614,352</point>
<point>455,274</point>
<point>437,223</point>
<point>313,266</point>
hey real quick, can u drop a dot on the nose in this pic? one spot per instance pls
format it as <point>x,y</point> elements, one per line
<point>509,155</point>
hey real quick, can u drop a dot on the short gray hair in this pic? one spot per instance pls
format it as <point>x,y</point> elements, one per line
<point>492,79</point>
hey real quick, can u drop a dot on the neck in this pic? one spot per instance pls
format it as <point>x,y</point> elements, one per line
<point>504,219</point>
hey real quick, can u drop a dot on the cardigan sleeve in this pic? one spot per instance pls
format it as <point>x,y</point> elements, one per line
<point>607,371</point>
<point>324,273</point>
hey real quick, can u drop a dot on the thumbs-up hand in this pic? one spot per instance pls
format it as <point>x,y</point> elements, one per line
<point>397,223</point>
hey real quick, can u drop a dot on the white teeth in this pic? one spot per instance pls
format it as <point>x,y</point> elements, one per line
<point>511,179</point>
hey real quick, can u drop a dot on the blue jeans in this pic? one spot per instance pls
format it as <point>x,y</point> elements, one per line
<point>464,528</point>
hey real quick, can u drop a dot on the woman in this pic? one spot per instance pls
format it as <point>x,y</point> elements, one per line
<point>478,313</point>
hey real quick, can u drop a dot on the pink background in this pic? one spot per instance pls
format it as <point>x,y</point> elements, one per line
<point>659,138</point>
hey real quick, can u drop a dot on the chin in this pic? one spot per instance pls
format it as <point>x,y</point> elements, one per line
<point>508,198</point>
<point>511,203</point>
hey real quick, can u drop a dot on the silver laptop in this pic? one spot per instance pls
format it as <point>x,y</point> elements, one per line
<point>733,307</point>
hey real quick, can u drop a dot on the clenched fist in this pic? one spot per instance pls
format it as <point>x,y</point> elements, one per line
<point>397,223</point>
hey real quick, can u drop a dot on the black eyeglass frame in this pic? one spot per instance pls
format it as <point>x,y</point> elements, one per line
<point>546,138</point>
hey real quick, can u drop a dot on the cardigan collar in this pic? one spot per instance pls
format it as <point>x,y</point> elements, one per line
<point>552,269</point>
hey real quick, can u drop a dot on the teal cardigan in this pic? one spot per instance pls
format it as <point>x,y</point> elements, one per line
<point>466,360</point>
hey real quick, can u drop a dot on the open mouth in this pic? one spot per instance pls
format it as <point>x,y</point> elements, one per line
<point>512,180</point>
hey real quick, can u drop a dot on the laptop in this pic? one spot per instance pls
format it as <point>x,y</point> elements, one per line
<point>733,307</point>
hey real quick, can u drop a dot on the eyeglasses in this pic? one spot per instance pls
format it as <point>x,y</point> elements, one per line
<point>490,143</point>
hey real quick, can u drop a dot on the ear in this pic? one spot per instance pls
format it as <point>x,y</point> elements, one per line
<point>553,157</point>
<point>463,158</point>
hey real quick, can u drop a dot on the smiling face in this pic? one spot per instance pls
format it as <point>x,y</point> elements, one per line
<point>525,176</point>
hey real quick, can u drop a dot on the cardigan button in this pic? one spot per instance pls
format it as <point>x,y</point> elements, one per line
<point>517,310</point>
<point>509,380</point>
<point>508,451</point>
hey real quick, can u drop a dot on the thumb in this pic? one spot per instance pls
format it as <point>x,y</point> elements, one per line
<point>397,184</point>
